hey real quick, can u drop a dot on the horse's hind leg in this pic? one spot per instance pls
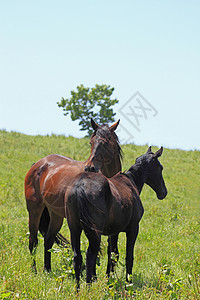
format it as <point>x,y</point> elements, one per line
<point>35,213</point>
<point>54,226</point>
<point>77,261</point>
<point>112,248</point>
<point>91,256</point>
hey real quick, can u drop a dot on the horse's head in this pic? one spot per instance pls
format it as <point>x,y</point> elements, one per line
<point>105,150</point>
<point>153,172</point>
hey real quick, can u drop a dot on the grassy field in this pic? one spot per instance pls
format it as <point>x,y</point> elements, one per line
<point>167,252</point>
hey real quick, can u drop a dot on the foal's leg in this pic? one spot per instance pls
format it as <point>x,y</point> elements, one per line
<point>91,256</point>
<point>77,261</point>
<point>54,226</point>
<point>131,236</point>
<point>112,247</point>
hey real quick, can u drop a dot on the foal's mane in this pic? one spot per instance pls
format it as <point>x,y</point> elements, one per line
<point>104,131</point>
<point>136,169</point>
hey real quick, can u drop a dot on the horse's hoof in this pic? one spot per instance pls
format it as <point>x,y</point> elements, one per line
<point>34,270</point>
<point>47,270</point>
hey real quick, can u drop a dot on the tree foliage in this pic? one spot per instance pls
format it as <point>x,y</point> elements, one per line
<point>87,103</point>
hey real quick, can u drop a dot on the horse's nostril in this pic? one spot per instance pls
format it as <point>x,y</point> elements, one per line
<point>89,169</point>
<point>92,169</point>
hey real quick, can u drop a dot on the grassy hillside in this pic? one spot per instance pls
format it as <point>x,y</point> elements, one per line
<point>167,252</point>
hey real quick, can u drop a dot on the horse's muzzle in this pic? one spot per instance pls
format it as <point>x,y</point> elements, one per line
<point>90,169</point>
<point>162,195</point>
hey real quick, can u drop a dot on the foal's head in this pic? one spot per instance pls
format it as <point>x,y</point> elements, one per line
<point>153,172</point>
<point>105,148</point>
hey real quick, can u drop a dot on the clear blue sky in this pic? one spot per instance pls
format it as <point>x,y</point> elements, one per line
<point>153,47</point>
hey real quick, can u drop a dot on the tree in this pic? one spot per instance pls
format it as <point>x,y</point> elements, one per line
<point>89,103</point>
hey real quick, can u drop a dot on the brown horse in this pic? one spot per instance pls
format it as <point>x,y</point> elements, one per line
<point>99,205</point>
<point>48,179</point>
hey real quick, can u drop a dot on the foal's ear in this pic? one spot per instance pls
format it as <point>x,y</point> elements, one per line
<point>158,153</point>
<point>94,125</point>
<point>114,126</point>
<point>149,150</point>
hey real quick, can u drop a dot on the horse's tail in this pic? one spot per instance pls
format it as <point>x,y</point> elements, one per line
<point>91,216</point>
<point>86,218</point>
<point>43,227</point>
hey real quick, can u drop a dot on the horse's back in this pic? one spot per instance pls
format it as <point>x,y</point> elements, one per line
<point>43,166</point>
<point>47,180</point>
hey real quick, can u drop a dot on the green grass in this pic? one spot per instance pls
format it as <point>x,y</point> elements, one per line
<point>167,251</point>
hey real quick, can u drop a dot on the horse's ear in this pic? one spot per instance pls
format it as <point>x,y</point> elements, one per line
<point>149,150</point>
<point>158,153</point>
<point>114,126</point>
<point>94,125</point>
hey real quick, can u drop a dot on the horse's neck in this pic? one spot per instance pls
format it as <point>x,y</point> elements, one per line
<point>137,175</point>
<point>113,168</point>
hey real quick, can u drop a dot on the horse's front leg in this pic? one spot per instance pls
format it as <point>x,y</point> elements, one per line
<point>131,236</point>
<point>112,248</point>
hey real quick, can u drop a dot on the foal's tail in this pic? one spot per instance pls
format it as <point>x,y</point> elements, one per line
<point>43,227</point>
<point>91,216</point>
<point>87,219</point>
